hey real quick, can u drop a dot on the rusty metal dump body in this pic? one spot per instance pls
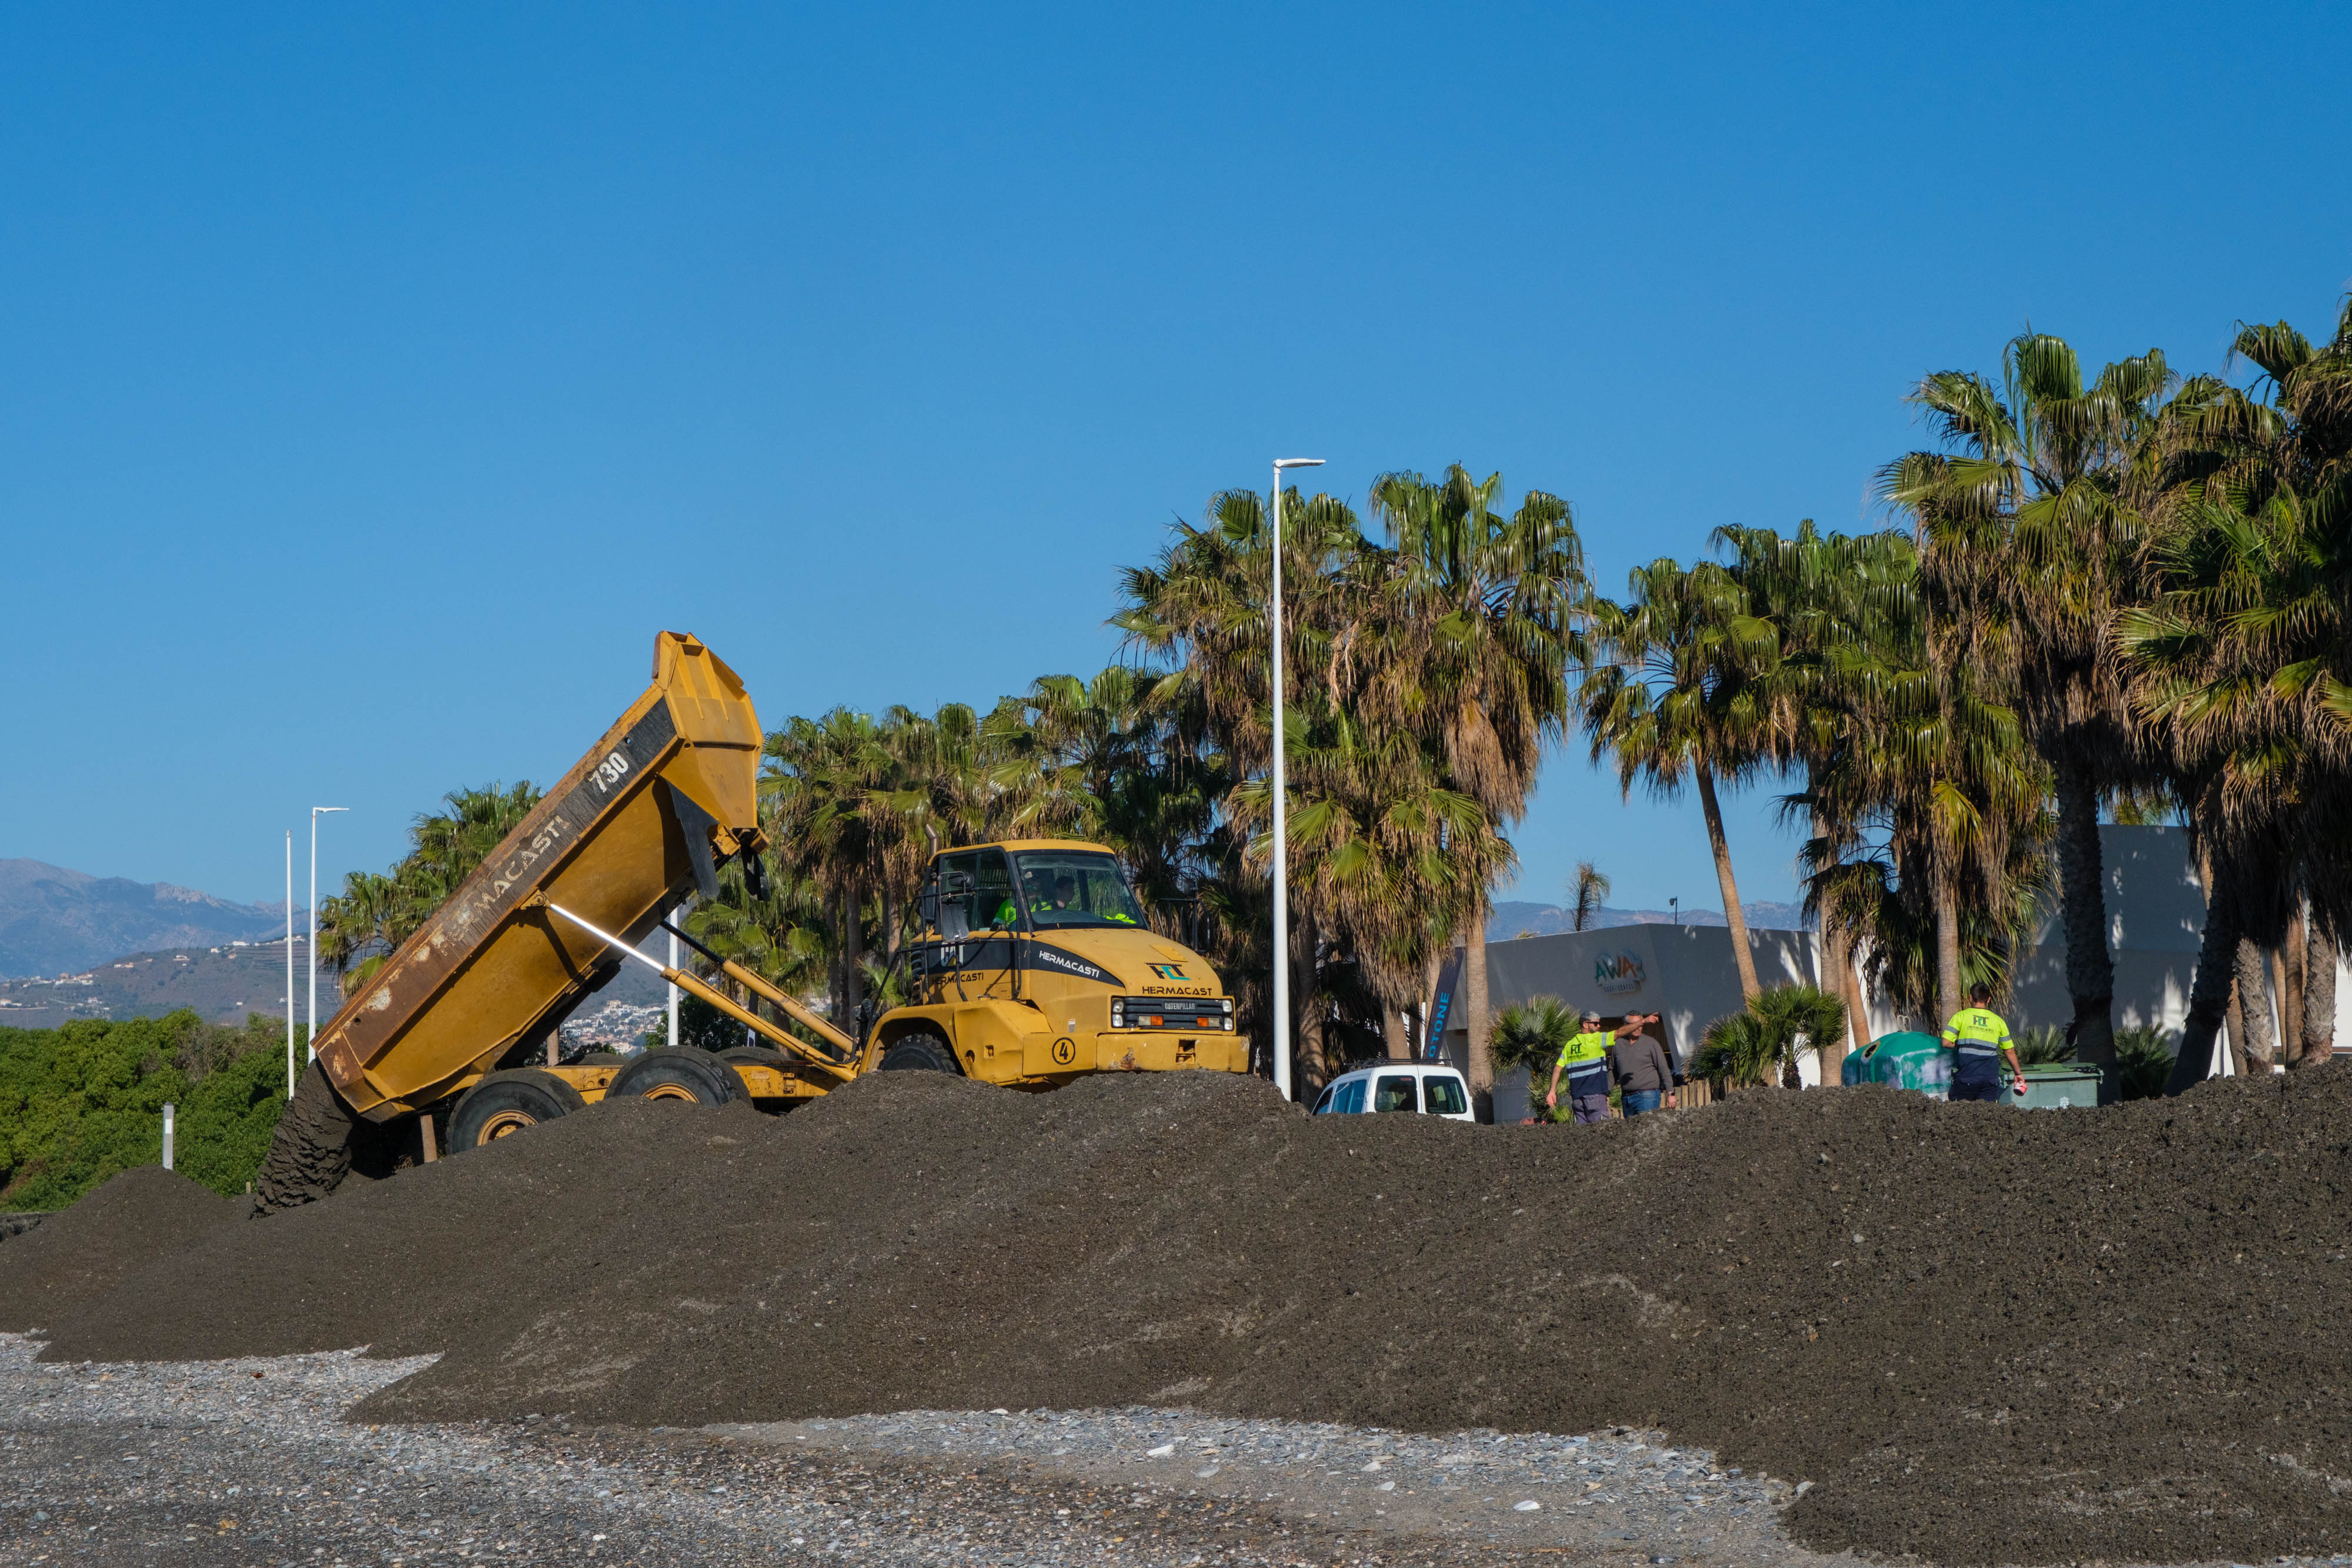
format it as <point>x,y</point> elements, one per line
<point>635,825</point>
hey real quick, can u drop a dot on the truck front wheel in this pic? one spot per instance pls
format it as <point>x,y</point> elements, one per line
<point>506,1103</point>
<point>923,1052</point>
<point>677,1073</point>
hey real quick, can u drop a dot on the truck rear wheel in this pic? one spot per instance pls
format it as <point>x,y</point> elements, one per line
<point>685,1072</point>
<point>504,1104</point>
<point>923,1052</point>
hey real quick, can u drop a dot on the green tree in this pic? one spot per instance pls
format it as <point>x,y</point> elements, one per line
<point>84,1102</point>
<point>1492,603</point>
<point>2030,545</point>
<point>1589,890</point>
<point>1759,1044</point>
<point>373,915</point>
<point>1672,695</point>
<point>1530,1037</point>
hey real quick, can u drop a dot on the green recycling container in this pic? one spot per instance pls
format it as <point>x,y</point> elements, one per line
<point>2054,1086</point>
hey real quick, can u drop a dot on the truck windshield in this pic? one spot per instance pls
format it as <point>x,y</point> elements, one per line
<point>1065,887</point>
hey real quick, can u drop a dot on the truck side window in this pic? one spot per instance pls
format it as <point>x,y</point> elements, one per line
<point>1445,1095</point>
<point>1395,1094</point>
<point>1351,1098</point>
<point>1325,1104</point>
<point>982,881</point>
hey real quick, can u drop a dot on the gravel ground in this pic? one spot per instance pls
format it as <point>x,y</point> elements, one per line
<point>249,1461</point>
<point>1610,1494</point>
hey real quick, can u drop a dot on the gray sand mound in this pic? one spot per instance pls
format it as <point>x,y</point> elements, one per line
<point>1986,1336</point>
<point>120,1226</point>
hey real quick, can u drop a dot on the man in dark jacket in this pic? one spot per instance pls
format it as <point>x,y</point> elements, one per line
<point>1645,1078</point>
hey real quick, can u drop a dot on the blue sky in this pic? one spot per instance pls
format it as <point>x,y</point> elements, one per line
<point>375,381</point>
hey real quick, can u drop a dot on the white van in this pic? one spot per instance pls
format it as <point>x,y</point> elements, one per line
<point>1428,1088</point>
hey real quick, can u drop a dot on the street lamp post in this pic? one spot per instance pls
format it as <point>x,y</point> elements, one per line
<point>313,1039</point>
<point>1281,808</point>
<point>289,964</point>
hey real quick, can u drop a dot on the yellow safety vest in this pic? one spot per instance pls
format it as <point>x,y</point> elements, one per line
<point>1586,1058</point>
<point>1977,1032</point>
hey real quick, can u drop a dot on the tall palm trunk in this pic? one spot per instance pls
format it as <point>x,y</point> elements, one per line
<point>1396,1032</point>
<point>2291,989</point>
<point>2319,995</point>
<point>1733,915</point>
<point>1474,1011</point>
<point>1307,1030</point>
<point>853,954</point>
<point>2249,967</point>
<point>2238,1062</point>
<point>1837,956</point>
<point>2208,993</point>
<point>2235,1036</point>
<point>836,987</point>
<point>1948,948</point>
<point>2082,909</point>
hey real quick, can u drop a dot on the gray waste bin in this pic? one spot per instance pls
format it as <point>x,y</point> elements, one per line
<point>2054,1086</point>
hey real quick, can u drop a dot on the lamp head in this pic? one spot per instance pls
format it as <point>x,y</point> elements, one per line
<point>1281,463</point>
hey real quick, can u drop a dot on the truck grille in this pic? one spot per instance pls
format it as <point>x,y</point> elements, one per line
<point>1195,1013</point>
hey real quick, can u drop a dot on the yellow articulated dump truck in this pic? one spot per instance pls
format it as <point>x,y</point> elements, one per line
<point>1036,964</point>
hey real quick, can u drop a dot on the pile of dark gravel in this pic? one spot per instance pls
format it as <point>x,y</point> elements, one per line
<point>1984,1335</point>
<point>77,1255</point>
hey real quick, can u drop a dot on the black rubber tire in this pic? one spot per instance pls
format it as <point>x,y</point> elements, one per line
<point>921,1052</point>
<point>685,1072</point>
<point>504,1104</point>
<point>755,1056</point>
<point>602,1059</point>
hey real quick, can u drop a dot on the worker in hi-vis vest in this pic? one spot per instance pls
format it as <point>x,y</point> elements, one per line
<point>1980,1036</point>
<point>1585,1059</point>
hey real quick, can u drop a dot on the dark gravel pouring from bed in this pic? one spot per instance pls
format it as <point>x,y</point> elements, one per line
<point>1973,1334</point>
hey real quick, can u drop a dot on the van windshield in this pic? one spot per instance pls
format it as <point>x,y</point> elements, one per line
<point>1070,887</point>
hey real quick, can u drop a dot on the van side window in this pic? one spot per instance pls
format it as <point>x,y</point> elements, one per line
<point>1351,1098</point>
<point>1325,1104</point>
<point>1396,1094</point>
<point>1445,1095</point>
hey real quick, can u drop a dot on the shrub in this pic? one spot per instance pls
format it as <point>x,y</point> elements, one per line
<point>1532,1036</point>
<point>83,1102</point>
<point>1760,1045</point>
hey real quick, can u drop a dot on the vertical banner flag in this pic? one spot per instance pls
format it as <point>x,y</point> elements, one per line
<point>1441,1008</point>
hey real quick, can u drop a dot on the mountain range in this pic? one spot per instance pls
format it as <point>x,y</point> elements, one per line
<point>54,921</point>
<point>1510,920</point>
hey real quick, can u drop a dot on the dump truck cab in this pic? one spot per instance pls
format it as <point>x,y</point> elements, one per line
<point>1036,964</point>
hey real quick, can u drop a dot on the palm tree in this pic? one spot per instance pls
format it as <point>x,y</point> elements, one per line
<point>1389,852</point>
<point>1532,1036</point>
<point>1760,1045</point>
<point>1670,692</point>
<point>2241,657</point>
<point>1494,602</point>
<point>375,915</point>
<point>1838,609</point>
<point>826,788</point>
<point>1591,890</point>
<point>1202,606</point>
<point>2030,547</point>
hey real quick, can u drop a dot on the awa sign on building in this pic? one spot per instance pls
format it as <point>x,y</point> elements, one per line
<point>1619,972</point>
